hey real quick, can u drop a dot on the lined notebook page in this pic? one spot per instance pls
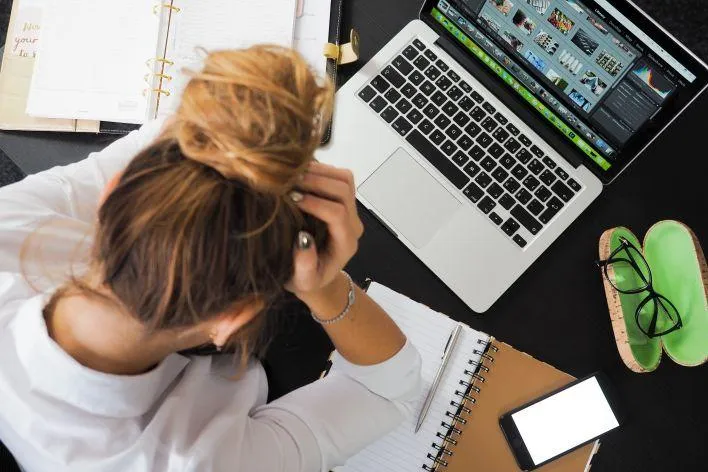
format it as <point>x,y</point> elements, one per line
<point>403,450</point>
<point>91,60</point>
<point>221,24</point>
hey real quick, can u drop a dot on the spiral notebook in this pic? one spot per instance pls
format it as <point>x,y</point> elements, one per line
<point>484,379</point>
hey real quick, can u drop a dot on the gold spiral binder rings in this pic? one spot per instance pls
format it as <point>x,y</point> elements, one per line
<point>443,450</point>
<point>163,61</point>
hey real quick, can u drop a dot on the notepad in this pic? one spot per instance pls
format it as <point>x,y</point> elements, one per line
<point>483,380</point>
<point>123,61</point>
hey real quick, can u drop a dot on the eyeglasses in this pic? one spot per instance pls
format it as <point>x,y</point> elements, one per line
<point>655,314</point>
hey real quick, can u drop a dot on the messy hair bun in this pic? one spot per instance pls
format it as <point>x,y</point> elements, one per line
<point>255,115</point>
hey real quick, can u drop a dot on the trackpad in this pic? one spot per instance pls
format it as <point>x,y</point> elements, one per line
<point>409,197</point>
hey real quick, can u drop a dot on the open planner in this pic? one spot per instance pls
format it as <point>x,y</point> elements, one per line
<point>483,380</point>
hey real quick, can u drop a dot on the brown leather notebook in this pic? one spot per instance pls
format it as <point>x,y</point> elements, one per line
<point>483,380</point>
<point>513,379</point>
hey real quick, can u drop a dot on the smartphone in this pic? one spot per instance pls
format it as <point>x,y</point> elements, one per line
<point>561,421</point>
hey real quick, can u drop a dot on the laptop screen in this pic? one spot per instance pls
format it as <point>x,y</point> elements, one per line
<point>590,72</point>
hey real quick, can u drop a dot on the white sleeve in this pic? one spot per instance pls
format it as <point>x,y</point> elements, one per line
<point>66,196</point>
<point>321,425</point>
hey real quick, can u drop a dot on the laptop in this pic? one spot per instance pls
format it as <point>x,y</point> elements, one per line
<point>483,129</point>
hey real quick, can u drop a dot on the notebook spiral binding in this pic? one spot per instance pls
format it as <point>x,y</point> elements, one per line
<point>442,450</point>
<point>163,62</point>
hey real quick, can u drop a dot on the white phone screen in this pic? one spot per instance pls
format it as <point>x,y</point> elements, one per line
<point>565,420</point>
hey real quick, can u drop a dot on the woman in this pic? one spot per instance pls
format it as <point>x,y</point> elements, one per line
<point>200,224</point>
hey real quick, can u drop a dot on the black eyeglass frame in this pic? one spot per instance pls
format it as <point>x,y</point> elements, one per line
<point>648,287</point>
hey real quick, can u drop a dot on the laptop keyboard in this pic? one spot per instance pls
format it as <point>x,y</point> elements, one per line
<point>477,148</point>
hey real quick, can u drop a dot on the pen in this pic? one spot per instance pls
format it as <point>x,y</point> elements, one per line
<point>449,347</point>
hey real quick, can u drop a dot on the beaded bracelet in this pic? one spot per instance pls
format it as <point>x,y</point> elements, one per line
<point>351,298</point>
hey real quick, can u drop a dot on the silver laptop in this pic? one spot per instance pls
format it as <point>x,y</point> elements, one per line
<point>483,129</point>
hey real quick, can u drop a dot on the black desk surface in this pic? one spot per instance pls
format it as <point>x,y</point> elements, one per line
<point>556,311</point>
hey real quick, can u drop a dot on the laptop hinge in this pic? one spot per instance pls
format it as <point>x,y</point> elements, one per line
<point>514,103</point>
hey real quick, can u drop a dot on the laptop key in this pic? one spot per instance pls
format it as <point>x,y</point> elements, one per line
<point>511,185</point>
<point>471,169</point>
<point>453,75</point>
<point>420,101</point>
<point>402,65</point>
<point>453,132</point>
<point>483,179</point>
<point>512,145</point>
<point>512,129</point>
<point>455,93</point>
<point>554,203</point>
<point>510,226</point>
<point>416,78</point>
<point>380,84</point>
<point>410,52</point>
<point>414,116</point>
<point>443,83</point>
<point>460,158</point>
<point>500,174</point>
<point>421,63</point>
<point>535,166</point>
<point>427,87</point>
<point>495,190</point>
<point>507,201</point>
<point>402,126</point>
<point>465,86</point>
<point>501,119</point>
<point>547,177</point>
<point>392,95</point>
<point>367,93</point>
<point>547,215</point>
<point>525,140</point>
<point>524,156</point>
<point>495,150</point>
<point>389,114</point>
<point>437,136</point>
<point>542,193</point>
<point>562,190</point>
<point>477,97</point>
<point>438,98</point>
<point>519,240</point>
<point>507,161</point>
<point>478,114</point>
<point>408,90</point>
<point>523,196</point>
<point>442,121</point>
<point>531,183</point>
<point>473,192</point>
<point>489,108</point>
<point>393,76</point>
<point>461,118</point>
<point>574,185</point>
<point>465,142</point>
<point>476,153</point>
<point>448,148</point>
<point>430,111</point>
<point>426,126</point>
<point>526,219</point>
<point>473,129</point>
<point>403,105</point>
<point>484,140</point>
<point>550,163</point>
<point>431,55</point>
<point>441,65</point>
<point>450,108</point>
<point>488,164</point>
<point>561,173</point>
<point>458,178</point>
<point>535,207</point>
<point>377,104</point>
<point>519,171</point>
<point>501,135</point>
<point>496,219</point>
<point>466,103</point>
<point>432,72</point>
<point>487,204</point>
<point>489,124</point>
<point>419,44</point>
<point>537,151</point>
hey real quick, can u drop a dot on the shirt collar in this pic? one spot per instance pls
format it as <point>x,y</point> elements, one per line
<point>54,373</point>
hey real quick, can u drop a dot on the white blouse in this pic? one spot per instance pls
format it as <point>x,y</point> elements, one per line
<point>187,414</point>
